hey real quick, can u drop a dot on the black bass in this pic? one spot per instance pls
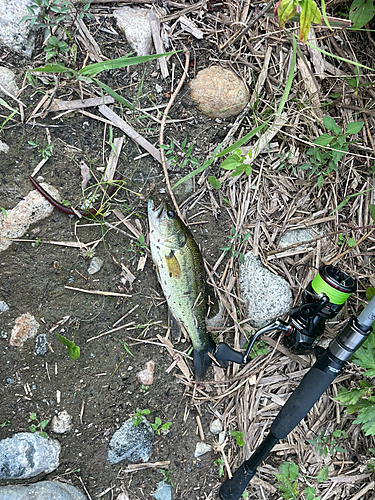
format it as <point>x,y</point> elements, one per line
<point>180,272</point>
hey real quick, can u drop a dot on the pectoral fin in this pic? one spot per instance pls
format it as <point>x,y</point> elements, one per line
<point>174,268</point>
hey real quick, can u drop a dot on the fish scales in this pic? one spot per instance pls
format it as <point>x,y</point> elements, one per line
<point>180,271</point>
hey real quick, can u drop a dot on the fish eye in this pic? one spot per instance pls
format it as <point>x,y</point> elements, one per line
<point>171,214</point>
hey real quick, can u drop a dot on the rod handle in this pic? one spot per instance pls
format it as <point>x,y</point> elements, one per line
<point>313,385</point>
<point>233,488</point>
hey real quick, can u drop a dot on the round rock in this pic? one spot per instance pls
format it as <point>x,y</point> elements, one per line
<point>26,455</point>
<point>131,443</point>
<point>44,490</point>
<point>219,92</point>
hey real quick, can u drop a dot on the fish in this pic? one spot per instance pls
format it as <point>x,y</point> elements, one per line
<point>180,271</point>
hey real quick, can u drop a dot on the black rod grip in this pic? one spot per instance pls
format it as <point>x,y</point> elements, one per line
<point>312,386</point>
<point>233,488</point>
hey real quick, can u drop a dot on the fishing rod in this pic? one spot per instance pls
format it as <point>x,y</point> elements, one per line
<point>323,299</point>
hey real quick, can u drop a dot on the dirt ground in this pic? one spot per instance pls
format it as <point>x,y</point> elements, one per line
<point>100,390</point>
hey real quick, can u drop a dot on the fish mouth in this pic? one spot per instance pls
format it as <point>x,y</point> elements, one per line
<point>155,213</point>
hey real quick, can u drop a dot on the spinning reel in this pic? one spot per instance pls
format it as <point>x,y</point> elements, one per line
<point>323,299</point>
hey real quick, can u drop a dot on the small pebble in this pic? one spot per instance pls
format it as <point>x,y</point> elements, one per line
<point>95,265</point>
<point>3,306</point>
<point>146,376</point>
<point>216,426</point>
<point>41,344</point>
<point>201,449</point>
<point>163,492</point>
<point>62,422</point>
<point>222,437</point>
<point>25,327</point>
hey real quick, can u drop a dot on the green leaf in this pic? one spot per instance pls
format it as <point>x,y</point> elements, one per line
<point>354,128</point>
<point>52,68</point>
<point>370,293</point>
<point>372,211</point>
<point>215,183</point>
<point>285,10</point>
<point>324,140</point>
<point>309,493</point>
<point>247,169</point>
<point>365,357</point>
<point>322,475</point>
<point>65,341</point>
<point>361,12</point>
<point>93,69</point>
<point>231,162</point>
<point>113,94</point>
<point>74,352</point>
<point>32,416</point>
<point>309,14</point>
<point>351,242</point>
<point>43,424</point>
<point>329,123</point>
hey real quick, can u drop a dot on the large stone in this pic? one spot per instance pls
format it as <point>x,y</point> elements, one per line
<point>26,455</point>
<point>44,490</point>
<point>219,92</point>
<point>131,443</point>
<point>267,295</point>
<point>16,35</point>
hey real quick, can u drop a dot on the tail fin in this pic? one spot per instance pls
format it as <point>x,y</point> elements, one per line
<point>202,360</point>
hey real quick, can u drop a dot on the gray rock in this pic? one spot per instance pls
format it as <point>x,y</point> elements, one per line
<point>26,455</point>
<point>131,443</point>
<point>4,148</point>
<point>164,491</point>
<point>44,490</point>
<point>222,436</point>
<point>296,236</point>
<point>62,422</point>
<point>216,426</point>
<point>7,81</point>
<point>135,23</point>
<point>41,344</point>
<point>201,449</point>
<point>3,306</point>
<point>267,295</point>
<point>14,34</point>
